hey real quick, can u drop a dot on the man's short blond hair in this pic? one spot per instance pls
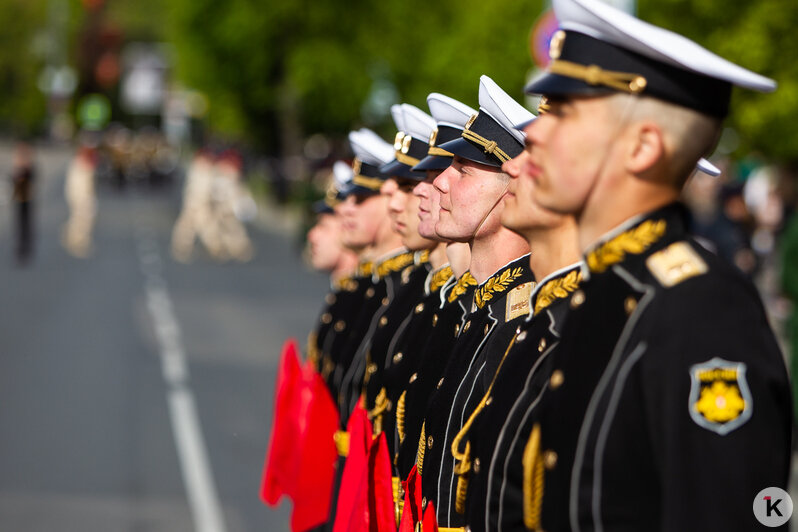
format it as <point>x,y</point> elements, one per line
<point>688,134</point>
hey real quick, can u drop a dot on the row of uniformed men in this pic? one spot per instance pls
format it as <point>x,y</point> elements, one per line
<point>530,335</point>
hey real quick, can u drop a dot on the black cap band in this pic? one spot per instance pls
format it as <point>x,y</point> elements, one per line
<point>585,65</point>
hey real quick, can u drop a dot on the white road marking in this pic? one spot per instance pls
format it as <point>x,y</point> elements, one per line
<point>203,498</point>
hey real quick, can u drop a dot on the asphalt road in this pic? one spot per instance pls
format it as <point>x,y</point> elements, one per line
<point>136,392</point>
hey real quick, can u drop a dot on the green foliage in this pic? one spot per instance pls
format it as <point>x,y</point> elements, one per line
<point>757,35</point>
<point>317,62</point>
<point>22,105</point>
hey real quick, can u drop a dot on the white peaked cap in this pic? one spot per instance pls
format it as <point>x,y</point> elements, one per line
<point>606,23</point>
<point>417,123</point>
<point>342,175</point>
<point>502,108</point>
<point>398,117</point>
<point>707,167</point>
<point>370,148</point>
<point>448,111</point>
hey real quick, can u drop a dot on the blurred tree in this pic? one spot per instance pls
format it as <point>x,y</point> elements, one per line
<point>22,105</point>
<point>760,36</point>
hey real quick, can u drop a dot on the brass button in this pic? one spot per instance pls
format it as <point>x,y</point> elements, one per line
<point>556,380</point>
<point>457,329</point>
<point>413,377</point>
<point>372,368</point>
<point>340,325</point>
<point>385,301</point>
<point>419,308</point>
<point>440,383</point>
<point>489,400</point>
<point>542,345</point>
<point>629,305</point>
<point>550,460</point>
<point>326,318</point>
<point>383,321</point>
<point>390,406</point>
<point>434,320</point>
<point>329,299</point>
<point>476,465</point>
<point>429,442</point>
<point>423,505</point>
<point>397,358</point>
<point>577,299</point>
<point>417,528</point>
<point>487,328</point>
<point>521,337</point>
<point>370,292</point>
<point>467,326</point>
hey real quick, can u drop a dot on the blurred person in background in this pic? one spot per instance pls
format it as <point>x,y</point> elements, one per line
<point>195,219</point>
<point>231,205</point>
<point>22,180</point>
<point>80,195</point>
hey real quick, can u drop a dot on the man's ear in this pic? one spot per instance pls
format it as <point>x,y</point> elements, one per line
<point>646,147</point>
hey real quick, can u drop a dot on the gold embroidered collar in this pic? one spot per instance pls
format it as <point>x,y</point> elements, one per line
<point>365,269</point>
<point>496,284</point>
<point>633,241</point>
<point>439,277</point>
<point>347,284</point>
<point>462,285</point>
<point>557,288</point>
<point>395,264</point>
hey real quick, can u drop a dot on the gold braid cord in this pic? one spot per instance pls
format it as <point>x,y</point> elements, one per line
<point>496,284</point>
<point>633,241</point>
<point>434,150</point>
<point>595,75</point>
<point>371,183</point>
<point>313,351</point>
<point>381,404</point>
<point>533,480</point>
<point>406,159</point>
<point>422,445</point>
<point>463,465</point>
<point>557,289</point>
<point>400,416</point>
<point>489,146</point>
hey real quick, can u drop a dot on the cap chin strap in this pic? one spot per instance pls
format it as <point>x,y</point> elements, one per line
<point>495,203</point>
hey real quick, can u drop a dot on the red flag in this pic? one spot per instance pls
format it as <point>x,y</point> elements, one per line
<point>300,463</point>
<point>352,511</point>
<point>318,455</point>
<point>413,512</point>
<point>382,513</point>
<point>282,459</point>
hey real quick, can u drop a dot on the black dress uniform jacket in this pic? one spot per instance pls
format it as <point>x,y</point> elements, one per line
<point>435,344</point>
<point>500,304</point>
<point>495,479</point>
<point>404,350</point>
<point>668,406</point>
<point>408,294</point>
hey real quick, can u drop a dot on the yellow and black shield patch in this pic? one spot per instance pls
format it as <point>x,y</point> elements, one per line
<point>720,399</point>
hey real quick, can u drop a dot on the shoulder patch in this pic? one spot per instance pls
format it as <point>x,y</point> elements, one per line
<point>675,264</point>
<point>518,301</point>
<point>720,399</point>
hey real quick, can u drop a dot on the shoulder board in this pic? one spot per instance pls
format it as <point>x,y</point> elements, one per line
<point>675,264</point>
